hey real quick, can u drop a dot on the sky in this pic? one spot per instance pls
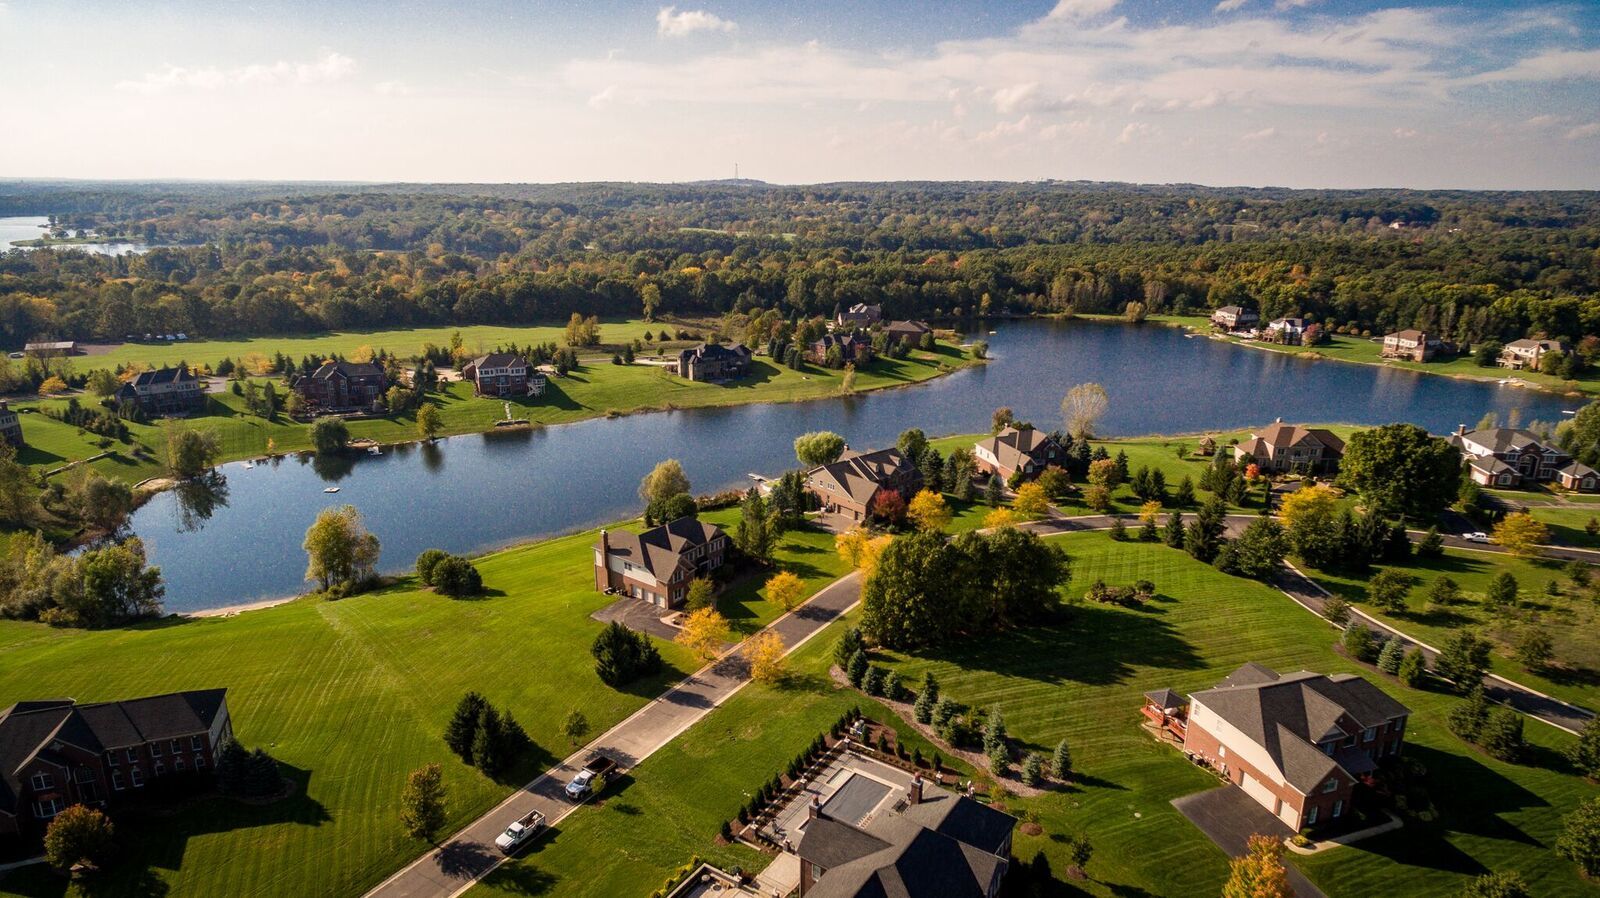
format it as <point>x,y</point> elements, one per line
<point>1297,93</point>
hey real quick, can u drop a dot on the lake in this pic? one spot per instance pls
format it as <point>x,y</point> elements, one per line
<point>476,492</point>
<point>32,227</point>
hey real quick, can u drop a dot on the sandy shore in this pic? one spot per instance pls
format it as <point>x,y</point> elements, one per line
<point>230,610</point>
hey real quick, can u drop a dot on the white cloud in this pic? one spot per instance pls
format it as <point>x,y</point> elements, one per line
<point>1292,4</point>
<point>1229,5</point>
<point>603,97</point>
<point>330,66</point>
<point>672,23</point>
<point>1582,131</point>
<point>1550,65</point>
<point>1406,133</point>
<point>393,88</point>
<point>1135,131</point>
<point>1081,9</point>
<point>1259,136</point>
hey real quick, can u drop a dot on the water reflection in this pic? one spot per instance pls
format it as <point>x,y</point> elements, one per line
<point>195,501</point>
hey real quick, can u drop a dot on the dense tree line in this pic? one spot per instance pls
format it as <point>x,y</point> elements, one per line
<point>1471,266</point>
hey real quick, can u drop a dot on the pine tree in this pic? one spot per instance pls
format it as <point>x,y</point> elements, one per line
<point>1032,769</point>
<point>1061,761</point>
<point>1173,535</point>
<point>1183,497</point>
<point>856,671</point>
<point>1468,718</point>
<point>992,491</point>
<point>1393,654</point>
<point>847,646</point>
<point>463,726</point>
<point>487,742</point>
<point>1413,668</point>
<point>232,762</point>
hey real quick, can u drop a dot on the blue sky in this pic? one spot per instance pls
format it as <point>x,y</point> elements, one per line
<point>1304,93</point>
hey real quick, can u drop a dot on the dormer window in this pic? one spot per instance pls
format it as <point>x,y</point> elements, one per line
<point>1330,786</point>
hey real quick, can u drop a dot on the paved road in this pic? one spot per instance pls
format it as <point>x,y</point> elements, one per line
<point>469,855</point>
<point>1229,818</point>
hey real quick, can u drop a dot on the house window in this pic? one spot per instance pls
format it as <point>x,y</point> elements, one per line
<point>1311,815</point>
<point>155,749</point>
<point>135,777</point>
<point>177,746</point>
<point>1338,808</point>
<point>42,781</point>
<point>1370,734</point>
<point>199,762</point>
<point>112,759</point>
<point>177,764</point>
<point>49,807</point>
<point>160,768</point>
<point>1330,786</point>
<point>197,742</point>
<point>116,780</point>
<point>1327,749</point>
<point>133,756</point>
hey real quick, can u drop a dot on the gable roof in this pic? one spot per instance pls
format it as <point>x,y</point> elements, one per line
<point>1285,436</point>
<point>899,328</point>
<point>1286,715</point>
<point>1012,447</point>
<point>331,368</point>
<point>1541,345</point>
<point>859,475</point>
<point>499,360</point>
<point>922,851</point>
<point>179,374</point>
<point>1503,439</point>
<point>716,352</point>
<point>660,550</point>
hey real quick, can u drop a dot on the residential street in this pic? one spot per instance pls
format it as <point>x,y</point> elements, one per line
<point>469,855</point>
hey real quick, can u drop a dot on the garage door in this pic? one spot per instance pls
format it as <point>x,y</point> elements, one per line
<point>1290,816</point>
<point>1257,790</point>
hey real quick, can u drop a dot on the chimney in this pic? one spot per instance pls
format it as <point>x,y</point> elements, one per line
<point>1461,430</point>
<point>605,541</point>
<point>1277,421</point>
<point>915,795</point>
<point>814,808</point>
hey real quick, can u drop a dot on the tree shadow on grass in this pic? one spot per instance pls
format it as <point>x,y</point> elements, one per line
<point>522,877</point>
<point>1091,645</point>
<point>1476,811</point>
<point>1572,675</point>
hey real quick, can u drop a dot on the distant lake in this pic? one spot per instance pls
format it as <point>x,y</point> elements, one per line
<point>476,492</point>
<point>32,227</point>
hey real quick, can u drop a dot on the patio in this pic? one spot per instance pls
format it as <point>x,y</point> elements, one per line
<point>852,788</point>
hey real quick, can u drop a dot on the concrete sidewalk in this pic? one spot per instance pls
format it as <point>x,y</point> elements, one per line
<point>470,855</point>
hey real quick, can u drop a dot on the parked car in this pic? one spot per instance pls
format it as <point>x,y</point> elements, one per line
<point>591,778</point>
<point>1476,536</point>
<point>519,832</point>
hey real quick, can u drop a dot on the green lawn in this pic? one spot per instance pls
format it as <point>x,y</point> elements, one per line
<point>350,695</point>
<point>1572,620</point>
<point>1568,525</point>
<point>589,391</point>
<point>1081,680</point>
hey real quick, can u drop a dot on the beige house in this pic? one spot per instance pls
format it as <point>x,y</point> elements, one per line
<point>1012,450</point>
<point>1413,346</point>
<point>1284,448</point>
<point>1525,355</point>
<point>1234,318</point>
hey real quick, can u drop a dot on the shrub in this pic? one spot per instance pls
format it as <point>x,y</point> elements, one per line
<point>1393,654</point>
<point>1359,643</point>
<point>456,577</point>
<point>427,561</point>
<point>1501,735</point>
<point>1413,668</point>
<point>1467,719</point>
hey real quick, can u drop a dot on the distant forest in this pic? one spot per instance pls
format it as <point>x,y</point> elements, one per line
<point>261,259</point>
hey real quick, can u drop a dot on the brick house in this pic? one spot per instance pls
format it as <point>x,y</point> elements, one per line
<point>712,361</point>
<point>858,316</point>
<point>1413,346</point>
<point>850,485</point>
<point>1579,477</point>
<point>10,425</point>
<point>1012,450</point>
<point>938,846</point>
<point>343,386</point>
<point>57,753</point>
<point>503,375</point>
<point>908,332</point>
<point>1234,318</point>
<point>1504,457</point>
<point>1296,743</point>
<point>1525,355</point>
<point>853,347</point>
<point>657,565</point>
<point>1284,448</point>
<point>165,391</point>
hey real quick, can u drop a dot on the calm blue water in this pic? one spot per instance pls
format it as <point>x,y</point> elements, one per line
<point>32,227</point>
<point>475,492</point>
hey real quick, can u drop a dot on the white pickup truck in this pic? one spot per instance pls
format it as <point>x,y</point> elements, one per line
<point>519,832</point>
<point>591,778</point>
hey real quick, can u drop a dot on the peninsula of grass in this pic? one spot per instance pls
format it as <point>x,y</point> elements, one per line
<point>590,391</point>
<point>351,695</point>
<point>1082,680</point>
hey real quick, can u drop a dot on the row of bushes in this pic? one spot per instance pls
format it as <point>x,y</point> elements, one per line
<point>450,575</point>
<point>773,787</point>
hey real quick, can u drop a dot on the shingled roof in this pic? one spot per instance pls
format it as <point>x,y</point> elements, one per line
<point>659,550</point>
<point>499,360</point>
<point>332,367</point>
<point>1285,436</point>
<point>860,474</point>
<point>1013,448</point>
<point>1286,715</point>
<point>178,374</point>
<point>947,846</point>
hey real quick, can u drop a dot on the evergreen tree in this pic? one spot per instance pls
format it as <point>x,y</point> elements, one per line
<point>488,743</point>
<point>1183,497</point>
<point>1413,668</point>
<point>1468,718</point>
<point>463,725</point>
<point>1585,753</point>
<point>992,491</point>
<point>233,761</point>
<point>1032,769</point>
<point>846,648</point>
<point>1501,735</point>
<point>1061,761</point>
<point>856,671</point>
<point>1392,656</point>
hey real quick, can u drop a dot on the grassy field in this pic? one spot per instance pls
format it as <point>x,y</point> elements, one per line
<point>406,342</point>
<point>587,392</point>
<point>1568,525</point>
<point>1571,617</point>
<point>351,695</point>
<point>1081,680</point>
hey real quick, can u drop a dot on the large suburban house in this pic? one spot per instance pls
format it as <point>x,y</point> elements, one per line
<point>712,361</point>
<point>58,753</point>
<point>1504,457</point>
<point>1011,451</point>
<point>1413,345</point>
<point>1288,331</point>
<point>1284,448</point>
<point>857,316</point>
<point>10,425</point>
<point>853,347</point>
<point>164,391</point>
<point>907,332</point>
<point>935,846</point>
<point>657,565</point>
<point>1234,318</point>
<point>503,374</point>
<point>343,386</point>
<point>1520,355</point>
<point>1297,743</point>
<point>850,485</point>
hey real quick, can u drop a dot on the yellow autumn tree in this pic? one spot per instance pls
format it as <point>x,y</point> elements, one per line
<point>998,518</point>
<point>764,652</point>
<point>928,511</point>
<point>255,363</point>
<point>1260,873</point>
<point>704,631</point>
<point>1521,534</point>
<point>1031,501</point>
<point>1150,512</point>
<point>785,590</point>
<point>52,386</point>
<point>850,544</point>
<point>1310,504</point>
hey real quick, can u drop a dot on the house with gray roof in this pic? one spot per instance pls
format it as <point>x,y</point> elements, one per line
<point>657,565</point>
<point>1284,448</point>
<point>1296,743</point>
<point>930,845</point>
<point>713,362</point>
<point>56,753</point>
<point>164,391</point>
<point>1012,450</point>
<point>852,484</point>
<point>1520,355</point>
<point>1509,457</point>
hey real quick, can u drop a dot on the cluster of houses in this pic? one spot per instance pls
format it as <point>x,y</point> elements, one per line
<point>851,331</point>
<point>1298,744</point>
<point>57,753</point>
